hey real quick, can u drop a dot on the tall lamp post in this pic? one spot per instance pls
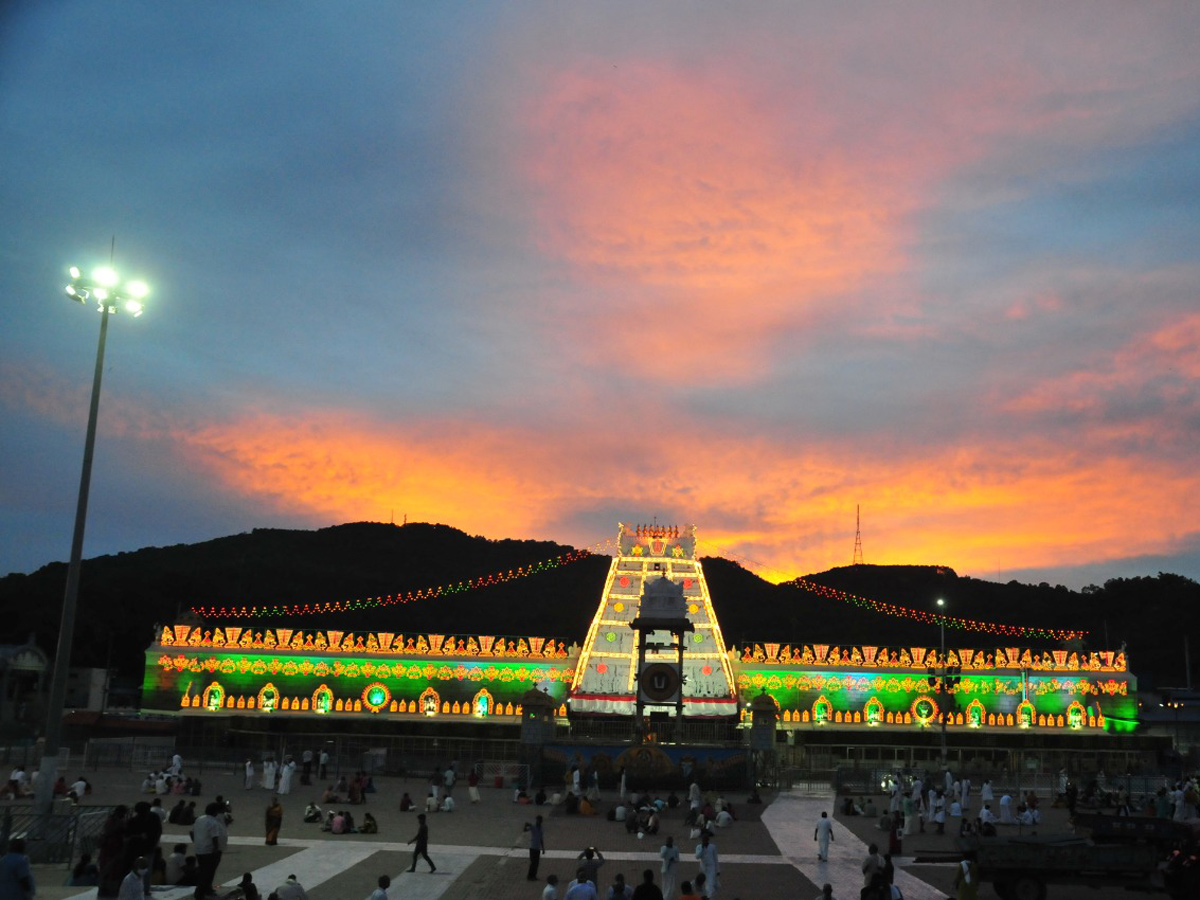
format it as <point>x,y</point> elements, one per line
<point>105,288</point>
<point>942,681</point>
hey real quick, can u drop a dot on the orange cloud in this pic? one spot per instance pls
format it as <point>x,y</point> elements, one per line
<point>978,508</point>
<point>681,188</point>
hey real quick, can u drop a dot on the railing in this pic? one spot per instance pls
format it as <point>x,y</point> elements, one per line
<point>58,837</point>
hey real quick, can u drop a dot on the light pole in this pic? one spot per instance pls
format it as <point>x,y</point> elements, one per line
<point>104,287</point>
<point>942,681</point>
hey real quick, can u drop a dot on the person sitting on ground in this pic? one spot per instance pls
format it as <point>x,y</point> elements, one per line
<point>586,808</point>
<point>341,786</point>
<point>724,819</point>
<point>327,825</point>
<point>191,873</point>
<point>248,888</point>
<point>448,804</point>
<point>431,803</point>
<point>188,816</point>
<point>85,873</point>
<point>868,807</point>
<point>571,804</point>
<point>82,787</point>
<point>175,864</point>
<point>406,803</point>
<point>330,796</point>
<point>312,813</point>
<point>339,824</point>
<point>291,890</point>
<point>158,867</point>
<point>176,812</point>
<point>540,797</point>
<point>369,825</point>
<point>652,823</point>
<point>620,813</point>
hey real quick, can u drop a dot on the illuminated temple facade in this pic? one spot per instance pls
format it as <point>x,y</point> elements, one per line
<point>298,673</point>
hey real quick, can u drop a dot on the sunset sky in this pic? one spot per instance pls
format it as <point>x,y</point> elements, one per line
<point>531,269</point>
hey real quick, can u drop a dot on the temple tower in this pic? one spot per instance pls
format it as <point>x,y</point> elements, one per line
<point>654,569</point>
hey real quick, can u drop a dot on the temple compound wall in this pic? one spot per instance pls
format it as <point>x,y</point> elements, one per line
<point>298,673</point>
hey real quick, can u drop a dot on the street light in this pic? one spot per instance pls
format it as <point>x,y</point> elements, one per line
<point>105,288</point>
<point>942,682</point>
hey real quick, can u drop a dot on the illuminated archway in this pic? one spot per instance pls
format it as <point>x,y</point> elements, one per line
<point>873,711</point>
<point>429,702</point>
<point>822,710</point>
<point>975,713</point>
<point>322,700</point>
<point>1076,715</point>
<point>482,704</point>
<point>1026,714</point>
<point>214,697</point>
<point>268,697</point>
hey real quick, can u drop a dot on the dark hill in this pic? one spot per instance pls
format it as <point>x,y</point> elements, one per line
<point>122,596</point>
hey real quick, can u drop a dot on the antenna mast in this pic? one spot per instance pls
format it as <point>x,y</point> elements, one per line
<point>858,556</point>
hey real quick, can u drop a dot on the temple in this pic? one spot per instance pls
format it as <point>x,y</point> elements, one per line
<point>654,614</point>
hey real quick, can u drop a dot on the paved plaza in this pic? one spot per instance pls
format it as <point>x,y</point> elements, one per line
<point>481,849</point>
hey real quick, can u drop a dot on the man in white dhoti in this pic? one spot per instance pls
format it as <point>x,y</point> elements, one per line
<point>285,775</point>
<point>669,854</point>
<point>1006,813</point>
<point>249,774</point>
<point>706,852</point>
<point>823,834</point>
<point>268,776</point>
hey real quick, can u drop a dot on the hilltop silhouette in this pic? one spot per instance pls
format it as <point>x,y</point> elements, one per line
<point>124,595</point>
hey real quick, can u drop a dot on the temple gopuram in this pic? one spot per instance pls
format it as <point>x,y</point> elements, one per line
<point>654,649</point>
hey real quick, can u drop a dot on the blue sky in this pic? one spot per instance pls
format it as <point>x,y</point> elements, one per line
<point>532,269</point>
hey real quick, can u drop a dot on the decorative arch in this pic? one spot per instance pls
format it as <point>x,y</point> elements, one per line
<point>268,697</point>
<point>376,696</point>
<point>214,697</point>
<point>483,704</point>
<point>1026,714</point>
<point>1076,715</point>
<point>429,702</point>
<point>873,711</point>
<point>924,710</point>
<point>822,710</point>
<point>976,714</point>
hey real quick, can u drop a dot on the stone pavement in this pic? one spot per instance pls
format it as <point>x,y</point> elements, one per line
<point>480,849</point>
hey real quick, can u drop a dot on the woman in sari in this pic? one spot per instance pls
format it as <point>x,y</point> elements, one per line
<point>112,853</point>
<point>274,821</point>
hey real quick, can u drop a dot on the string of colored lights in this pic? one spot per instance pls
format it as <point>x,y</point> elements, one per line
<point>431,593</point>
<point>917,615</point>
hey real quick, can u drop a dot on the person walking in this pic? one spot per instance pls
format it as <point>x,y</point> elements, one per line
<point>823,834</point>
<point>669,854</point>
<point>421,839</point>
<point>537,843</point>
<point>706,852</point>
<point>274,821</point>
<point>249,774</point>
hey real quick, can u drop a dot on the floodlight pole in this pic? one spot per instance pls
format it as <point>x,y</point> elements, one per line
<point>49,768</point>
